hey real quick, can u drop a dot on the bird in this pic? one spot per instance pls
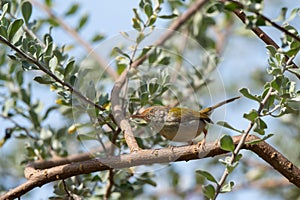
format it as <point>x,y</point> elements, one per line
<point>179,124</point>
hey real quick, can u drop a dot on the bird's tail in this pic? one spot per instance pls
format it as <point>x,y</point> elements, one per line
<point>209,109</point>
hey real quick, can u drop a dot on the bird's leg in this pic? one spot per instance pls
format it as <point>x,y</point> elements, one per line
<point>201,144</point>
<point>171,147</point>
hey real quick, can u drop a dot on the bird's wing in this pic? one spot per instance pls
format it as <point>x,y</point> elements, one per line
<point>184,114</point>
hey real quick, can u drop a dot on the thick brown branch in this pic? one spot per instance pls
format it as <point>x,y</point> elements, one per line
<point>150,156</point>
<point>278,161</point>
<point>118,113</point>
<point>117,110</point>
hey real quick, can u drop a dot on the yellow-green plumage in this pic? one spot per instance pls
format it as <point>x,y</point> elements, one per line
<point>179,124</point>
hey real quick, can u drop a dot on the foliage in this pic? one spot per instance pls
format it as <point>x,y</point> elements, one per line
<point>176,72</point>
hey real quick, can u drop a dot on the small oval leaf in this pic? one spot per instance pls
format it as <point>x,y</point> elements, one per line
<point>26,11</point>
<point>207,175</point>
<point>226,125</point>
<point>209,191</point>
<point>246,93</point>
<point>14,27</point>
<point>226,143</point>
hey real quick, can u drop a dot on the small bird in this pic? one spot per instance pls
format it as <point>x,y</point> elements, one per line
<point>179,124</point>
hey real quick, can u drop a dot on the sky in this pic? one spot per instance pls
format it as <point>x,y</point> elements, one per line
<point>111,17</point>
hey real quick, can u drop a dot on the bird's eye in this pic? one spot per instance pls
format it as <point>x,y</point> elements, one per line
<point>148,116</point>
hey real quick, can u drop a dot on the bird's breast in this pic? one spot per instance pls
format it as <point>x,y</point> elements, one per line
<point>179,132</point>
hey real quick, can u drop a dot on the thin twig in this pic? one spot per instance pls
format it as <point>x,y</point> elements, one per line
<point>240,144</point>
<point>49,73</point>
<point>268,20</point>
<point>111,171</point>
<point>110,183</point>
<point>147,157</point>
<point>263,36</point>
<point>57,79</point>
<point>89,49</point>
<point>19,126</point>
<point>65,187</point>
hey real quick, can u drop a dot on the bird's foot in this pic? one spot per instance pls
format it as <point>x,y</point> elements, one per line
<point>201,145</point>
<point>171,147</point>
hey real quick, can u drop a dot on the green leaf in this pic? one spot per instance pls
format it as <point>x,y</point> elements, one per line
<point>259,140</point>
<point>91,91</point>
<point>69,68</point>
<point>153,87</point>
<point>149,182</point>
<point>136,15</point>
<point>293,14</point>
<point>3,31</point>
<point>82,22</point>
<point>231,167</point>
<point>207,175</point>
<point>277,82</point>
<point>4,11</point>
<point>48,111</point>
<point>43,80</point>
<point>25,97</point>
<point>85,137</point>
<point>72,10</point>
<point>209,191</point>
<point>28,66</point>
<point>98,37</point>
<point>260,126</point>
<point>14,27</point>
<point>251,116</point>
<point>48,2</point>
<point>168,16</point>
<point>231,6</point>
<point>136,24</point>
<point>103,99</point>
<point>246,93</point>
<point>226,143</point>
<point>140,37</point>
<point>272,50</point>
<point>164,61</point>
<point>26,11</point>
<point>238,157</point>
<point>34,118</point>
<point>53,63</point>
<point>144,98</point>
<point>152,20</point>
<point>148,10</point>
<point>282,15</point>
<point>227,187</point>
<point>117,49</point>
<point>226,125</point>
<point>19,76</point>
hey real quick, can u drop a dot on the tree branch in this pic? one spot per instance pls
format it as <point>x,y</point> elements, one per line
<point>241,6</point>
<point>39,177</point>
<point>240,144</point>
<point>89,49</point>
<point>117,110</point>
<point>49,73</point>
<point>262,35</point>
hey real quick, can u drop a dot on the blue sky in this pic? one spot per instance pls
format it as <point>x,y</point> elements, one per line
<point>111,17</point>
